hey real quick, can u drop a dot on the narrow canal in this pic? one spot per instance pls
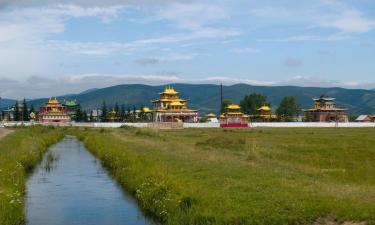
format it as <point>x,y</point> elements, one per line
<point>71,187</point>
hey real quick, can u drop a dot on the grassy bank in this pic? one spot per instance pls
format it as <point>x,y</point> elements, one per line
<point>256,176</point>
<point>19,153</point>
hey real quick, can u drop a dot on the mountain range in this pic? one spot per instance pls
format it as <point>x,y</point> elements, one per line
<point>206,97</point>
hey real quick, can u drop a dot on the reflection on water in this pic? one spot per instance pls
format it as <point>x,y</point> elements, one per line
<point>70,187</point>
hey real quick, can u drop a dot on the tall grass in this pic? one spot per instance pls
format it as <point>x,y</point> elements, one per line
<point>238,177</point>
<point>19,153</point>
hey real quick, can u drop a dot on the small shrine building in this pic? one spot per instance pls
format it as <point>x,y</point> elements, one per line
<point>265,114</point>
<point>72,107</point>
<point>212,118</point>
<point>171,108</point>
<point>324,110</point>
<point>233,117</point>
<point>53,111</point>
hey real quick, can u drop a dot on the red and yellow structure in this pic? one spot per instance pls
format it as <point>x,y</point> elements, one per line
<point>233,117</point>
<point>171,108</point>
<point>53,111</point>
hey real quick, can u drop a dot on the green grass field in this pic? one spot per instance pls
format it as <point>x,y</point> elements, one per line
<point>244,176</point>
<point>217,176</point>
<point>20,151</point>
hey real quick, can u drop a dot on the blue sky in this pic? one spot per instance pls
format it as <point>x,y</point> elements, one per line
<point>72,45</point>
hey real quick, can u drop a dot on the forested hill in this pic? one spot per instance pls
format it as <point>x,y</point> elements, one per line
<point>206,97</point>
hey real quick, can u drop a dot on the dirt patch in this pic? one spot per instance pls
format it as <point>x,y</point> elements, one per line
<point>4,132</point>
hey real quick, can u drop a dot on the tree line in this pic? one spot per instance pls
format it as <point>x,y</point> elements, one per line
<point>288,109</point>
<point>121,114</point>
<point>22,113</point>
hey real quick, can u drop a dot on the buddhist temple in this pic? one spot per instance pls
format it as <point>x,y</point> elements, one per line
<point>211,118</point>
<point>265,114</point>
<point>171,108</point>
<point>53,111</point>
<point>324,110</point>
<point>112,116</point>
<point>73,107</point>
<point>233,117</point>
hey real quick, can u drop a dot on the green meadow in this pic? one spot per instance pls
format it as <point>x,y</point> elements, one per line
<point>217,176</point>
<point>20,152</point>
<point>244,176</point>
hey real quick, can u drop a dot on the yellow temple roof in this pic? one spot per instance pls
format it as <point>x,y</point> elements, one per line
<point>175,103</point>
<point>146,110</point>
<point>170,91</point>
<point>53,101</point>
<point>210,115</point>
<point>233,106</point>
<point>264,108</point>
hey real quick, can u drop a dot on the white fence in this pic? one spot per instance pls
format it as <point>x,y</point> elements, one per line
<point>311,124</point>
<point>193,125</point>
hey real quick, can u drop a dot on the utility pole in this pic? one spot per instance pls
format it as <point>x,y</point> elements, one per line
<point>221,97</point>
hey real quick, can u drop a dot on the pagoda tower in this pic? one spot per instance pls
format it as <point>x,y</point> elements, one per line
<point>53,111</point>
<point>171,108</point>
<point>325,110</point>
<point>233,117</point>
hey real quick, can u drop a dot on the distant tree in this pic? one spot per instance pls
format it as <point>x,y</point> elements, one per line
<point>91,116</point>
<point>127,114</point>
<point>32,109</point>
<point>251,103</point>
<point>25,111</point>
<point>134,115</point>
<point>122,113</point>
<point>142,115</point>
<point>17,114</point>
<point>117,110</point>
<point>78,116</point>
<point>104,116</point>
<point>288,109</point>
<point>84,116</point>
<point>224,105</point>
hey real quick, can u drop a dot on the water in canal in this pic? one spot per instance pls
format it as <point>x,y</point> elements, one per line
<point>71,187</point>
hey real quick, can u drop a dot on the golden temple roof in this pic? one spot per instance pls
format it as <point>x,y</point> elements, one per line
<point>176,103</point>
<point>169,90</point>
<point>210,115</point>
<point>146,110</point>
<point>264,108</point>
<point>53,101</point>
<point>233,106</point>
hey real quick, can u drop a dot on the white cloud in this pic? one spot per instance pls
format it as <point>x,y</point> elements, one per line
<point>106,48</point>
<point>339,19</point>
<point>24,32</point>
<point>348,21</point>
